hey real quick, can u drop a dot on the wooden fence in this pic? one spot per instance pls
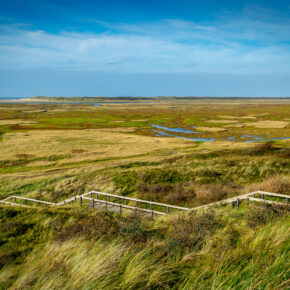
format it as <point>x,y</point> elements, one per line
<point>113,202</point>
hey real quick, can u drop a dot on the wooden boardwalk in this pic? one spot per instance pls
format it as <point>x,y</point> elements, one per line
<point>118,203</point>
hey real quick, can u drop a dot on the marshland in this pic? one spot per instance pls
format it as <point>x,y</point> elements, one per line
<point>51,151</point>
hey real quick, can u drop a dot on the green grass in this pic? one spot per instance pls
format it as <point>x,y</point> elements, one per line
<point>79,248</point>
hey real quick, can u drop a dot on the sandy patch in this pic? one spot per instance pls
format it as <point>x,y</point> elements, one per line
<point>118,121</point>
<point>222,121</point>
<point>233,117</point>
<point>248,117</point>
<point>210,129</point>
<point>269,124</point>
<point>229,117</point>
<point>41,163</point>
<point>16,122</point>
<point>139,120</point>
<point>235,125</point>
<point>120,129</point>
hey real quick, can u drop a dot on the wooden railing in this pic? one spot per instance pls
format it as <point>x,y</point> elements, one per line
<point>96,198</point>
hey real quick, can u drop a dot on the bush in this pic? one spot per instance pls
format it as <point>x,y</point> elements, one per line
<point>261,148</point>
<point>190,231</point>
<point>166,175</point>
<point>133,230</point>
<point>164,192</point>
<point>208,193</point>
<point>262,214</point>
<point>94,227</point>
<point>277,184</point>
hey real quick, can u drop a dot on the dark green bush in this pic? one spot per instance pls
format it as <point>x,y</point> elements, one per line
<point>103,225</point>
<point>133,230</point>
<point>164,175</point>
<point>262,214</point>
<point>190,231</point>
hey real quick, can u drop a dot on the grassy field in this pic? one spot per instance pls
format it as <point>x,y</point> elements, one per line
<point>53,151</point>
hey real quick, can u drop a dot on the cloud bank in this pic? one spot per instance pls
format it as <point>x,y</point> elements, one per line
<point>243,45</point>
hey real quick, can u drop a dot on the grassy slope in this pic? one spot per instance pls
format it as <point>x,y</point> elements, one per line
<point>75,248</point>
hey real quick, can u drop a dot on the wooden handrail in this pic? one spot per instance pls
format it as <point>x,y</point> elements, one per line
<point>248,196</point>
<point>124,206</point>
<point>138,200</point>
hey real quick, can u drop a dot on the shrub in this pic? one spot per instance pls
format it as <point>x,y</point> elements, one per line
<point>133,230</point>
<point>278,184</point>
<point>190,231</point>
<point>94,227</point>
<point>164,192</point>
<point>208,193</point>
<point>165,175</point>
<point>261,148</point>
<point>262,214</point>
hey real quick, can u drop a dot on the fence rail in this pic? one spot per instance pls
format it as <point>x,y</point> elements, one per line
<point>120,205</point>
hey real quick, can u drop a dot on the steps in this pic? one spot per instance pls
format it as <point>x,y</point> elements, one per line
<point>116,203</point>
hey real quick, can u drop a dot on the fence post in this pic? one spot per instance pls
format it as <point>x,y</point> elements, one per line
<point>106,204</point>
<point>97,196</point>
<point>167,209</point>
<point>75,198</point>
<point>238,203</point>
<point>81,200</point>
<point>247,201</point>
<point>286,199</point>
<point>233,204</point>
<point>151,206</point>
<point>93,203</point>
<point>122,200</point>
<point>120,208</point>
<point>262,195</point>
<point>91,195</point>
<point>152,213</point>
<point>136,203</point>
<point>108,197</point>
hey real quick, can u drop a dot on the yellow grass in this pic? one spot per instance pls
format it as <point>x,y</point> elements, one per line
<point>16,122</point>
<point>235,117</point>
<point>94,143</point>
<point>210,129</point>
<point>222,121</point>
<point>269,124</point>
<point>235,125</point>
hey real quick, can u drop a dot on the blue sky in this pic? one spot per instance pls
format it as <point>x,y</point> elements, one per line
<point>144,48</point>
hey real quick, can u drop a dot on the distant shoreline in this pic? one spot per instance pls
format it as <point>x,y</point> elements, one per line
<point>128,100</point>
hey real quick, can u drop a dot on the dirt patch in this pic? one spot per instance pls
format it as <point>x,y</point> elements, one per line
<point>222,121</point>
<point>16,122</point>
<point>248,117</point>
<point>210,129</point>
<point>269,124</point>
<point>244,117</point>
<point>235,125</point>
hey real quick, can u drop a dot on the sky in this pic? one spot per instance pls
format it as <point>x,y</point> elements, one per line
<point>144,48</point>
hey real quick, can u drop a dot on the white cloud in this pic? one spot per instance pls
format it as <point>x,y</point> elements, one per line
<point>167,46</point>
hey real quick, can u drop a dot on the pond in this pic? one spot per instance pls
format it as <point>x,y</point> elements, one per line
<point>249,138</point>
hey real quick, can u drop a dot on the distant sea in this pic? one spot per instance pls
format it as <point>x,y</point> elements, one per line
<point>7,98</point>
